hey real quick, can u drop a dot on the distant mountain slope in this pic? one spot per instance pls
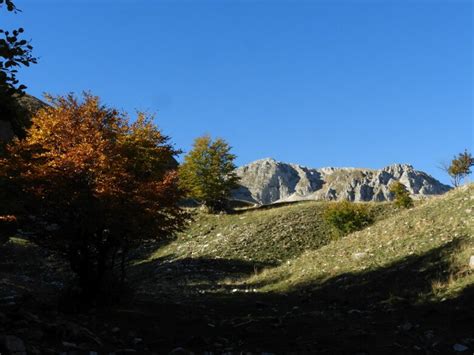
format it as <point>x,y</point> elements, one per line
<point>267,181</point>
<point>24,108</point>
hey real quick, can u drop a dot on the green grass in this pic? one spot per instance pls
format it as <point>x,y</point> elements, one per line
<point>300,250</point>
<point>22,242</point>
<point>271,234</point>
<point>437,224</point>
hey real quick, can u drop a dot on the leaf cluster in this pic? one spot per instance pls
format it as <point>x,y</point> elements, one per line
<point>460,167</point>
<point>347,217</point>
<point>14,53</point>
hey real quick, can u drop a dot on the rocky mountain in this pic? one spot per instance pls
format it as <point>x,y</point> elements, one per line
<point>15,115</point>
<point>268,181</point>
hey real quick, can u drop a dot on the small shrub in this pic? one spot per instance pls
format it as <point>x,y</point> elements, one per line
<point>347,217</point>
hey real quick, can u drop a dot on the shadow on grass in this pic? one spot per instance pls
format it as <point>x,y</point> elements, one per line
<point>194,274</point>
<point>386,310</point>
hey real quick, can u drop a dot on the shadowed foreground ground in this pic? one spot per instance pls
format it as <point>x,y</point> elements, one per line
<point>188,305</point>
<point>402,286</point>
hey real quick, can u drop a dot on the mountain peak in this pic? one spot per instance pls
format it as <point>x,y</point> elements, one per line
<point>267,181</point>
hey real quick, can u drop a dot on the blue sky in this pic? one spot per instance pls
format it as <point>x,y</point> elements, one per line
<point>319,83</point>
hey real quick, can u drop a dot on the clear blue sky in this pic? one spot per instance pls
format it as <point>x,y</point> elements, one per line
<point>319,83</point>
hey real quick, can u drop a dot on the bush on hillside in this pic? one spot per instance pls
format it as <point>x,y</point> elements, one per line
<point>347,217</point>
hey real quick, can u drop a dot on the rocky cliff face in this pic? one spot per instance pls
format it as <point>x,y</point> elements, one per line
<point>15,115</point>
<point>267,181</point>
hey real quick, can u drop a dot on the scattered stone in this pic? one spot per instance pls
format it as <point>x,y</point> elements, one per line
<point>358,256</point>
<point>52,227</point>
<point>179,351</point>
<point>460,347</point>
<point>115,330</point>
<point>406,326</point>
<point>429,334</point>
<point>125,351</point>
<point>137,341</point>
<point>471,262</point>
<point>12,344</point>
<point>36,334</point>
<point>68,344</point>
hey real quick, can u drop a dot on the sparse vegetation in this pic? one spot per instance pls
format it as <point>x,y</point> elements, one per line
<point>270,234</point>
<point>460,167</point>
<point>435,223</point>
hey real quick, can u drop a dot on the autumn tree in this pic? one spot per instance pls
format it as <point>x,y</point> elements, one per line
<point>460,167</point>
<point>97,184</point>
<point>401,195</point>
<point>208,172</point>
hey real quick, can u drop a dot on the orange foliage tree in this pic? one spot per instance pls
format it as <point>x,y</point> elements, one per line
<point>98,183</point>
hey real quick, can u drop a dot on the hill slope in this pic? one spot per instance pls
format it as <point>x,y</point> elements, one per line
<point>402,286</point>
<point>267,235</point>
<point>443,222</point>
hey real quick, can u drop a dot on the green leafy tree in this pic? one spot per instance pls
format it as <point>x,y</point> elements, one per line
<point>401,195</point>
<point>348,217</point>
<point>208,172</point>
<point>460,167</point>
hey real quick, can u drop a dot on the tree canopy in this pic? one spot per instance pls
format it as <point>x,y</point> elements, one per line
<point>460,167</point>
<point>207,173</point>
<point>401,195</point>
<point>104,182</point>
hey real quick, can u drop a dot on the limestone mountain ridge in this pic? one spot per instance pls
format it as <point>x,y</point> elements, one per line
<point>268,181</point>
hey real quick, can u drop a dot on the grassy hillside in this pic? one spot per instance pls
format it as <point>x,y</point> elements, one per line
<point>444,223</point>
<point>270,280</point>
<point>271,234</point>
<point>401,286</point>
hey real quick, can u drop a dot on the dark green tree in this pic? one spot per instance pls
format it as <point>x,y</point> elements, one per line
<point>15,52</point>
<point>401,195</point>
<point>208,173</point>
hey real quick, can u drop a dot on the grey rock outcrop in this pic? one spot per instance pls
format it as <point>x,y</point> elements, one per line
<point>25,107</point>
<point>267,181</point>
